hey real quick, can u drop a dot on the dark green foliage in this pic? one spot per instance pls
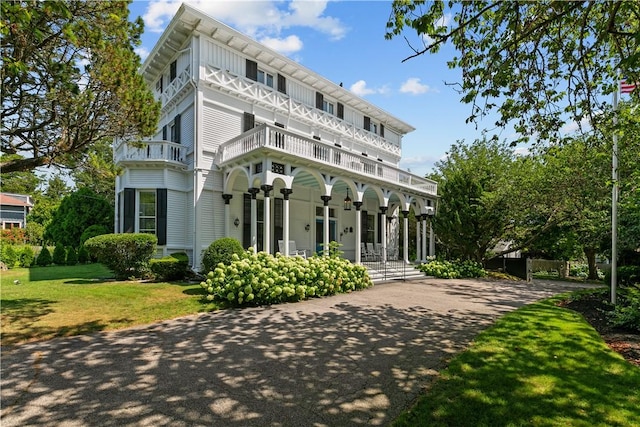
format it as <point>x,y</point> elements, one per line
<point>627,275</point>
<point>8,255</point>
<point>72,256</point>
<point>125,254</point>
<point>59,255</point>
<point>77,212</point>
<point>83,255</point>
<point>26,257</point>
<point>44,257</point>
<point>172,267</point>
<point>93,231</point>
<point>626,313</point>
<point>221,251</point>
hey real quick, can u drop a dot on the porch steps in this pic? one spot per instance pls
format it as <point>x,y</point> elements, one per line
<point>380,272</point>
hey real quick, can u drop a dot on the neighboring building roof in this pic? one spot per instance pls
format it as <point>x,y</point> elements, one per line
<point>189,19</point>
<point>8,199</point>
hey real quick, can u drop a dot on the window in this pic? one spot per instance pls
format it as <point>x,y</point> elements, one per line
<point>374,128</point>
<point>327,106</point>
<point>159,85</point>
<point>174,129</point>
<point>147,212</point>
<point>265,78</point>
<point>173,71</point>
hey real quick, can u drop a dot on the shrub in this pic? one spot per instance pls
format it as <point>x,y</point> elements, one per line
<point>452,269</point>
<point>261,278</point>
<point>26,257</point>
<point>220,251</point>
<point>83,255</point>
<point>44,257</point>
<point>626,313</point>
<point>8,255</point>
<point>172,267</point>
<point>72,256</point>
<point>626,275</point>
<point>125,254</point>
<point>59,255</point>
<point>92,231</point>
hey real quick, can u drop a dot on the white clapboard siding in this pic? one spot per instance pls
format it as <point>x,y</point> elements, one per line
<point>176,224</point>
<point>221,126</point>
<point>222,58</point>
<point>187,131</point>
<point>145,178</point>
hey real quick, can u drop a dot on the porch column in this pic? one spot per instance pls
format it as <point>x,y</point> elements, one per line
<point>358,205</point>
<point>254,218</point>
<point>432,241</point>
<point>418,258</point>
<point>383,210</point>
<point>424,237</point>
<point>266,238</point>
<point>325,238</point>
<point>227,211</point>
<point>405,237</point>
<point>286,192</point>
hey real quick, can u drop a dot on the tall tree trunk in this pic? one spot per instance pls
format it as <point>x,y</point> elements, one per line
<point>591,261</point>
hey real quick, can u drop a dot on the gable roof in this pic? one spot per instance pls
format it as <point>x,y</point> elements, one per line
<point>7,199</point>
<point>189,20</point>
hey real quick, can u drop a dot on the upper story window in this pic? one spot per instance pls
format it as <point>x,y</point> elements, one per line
<point>173,71</point>
<point>159,85</point>
<point>265,78</point>
<point>327,106</point>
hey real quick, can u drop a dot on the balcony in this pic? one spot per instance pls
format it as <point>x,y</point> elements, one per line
<point>303,150</point>
<point>151,152</point>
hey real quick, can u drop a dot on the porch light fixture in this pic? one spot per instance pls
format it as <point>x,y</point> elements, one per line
<point>347,202</point>
<point>236,222</point>
<point>307,227</point>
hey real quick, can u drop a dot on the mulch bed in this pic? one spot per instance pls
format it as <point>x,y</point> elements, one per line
<point>622,341</point>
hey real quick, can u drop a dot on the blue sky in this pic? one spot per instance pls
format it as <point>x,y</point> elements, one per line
<point>344,42</point>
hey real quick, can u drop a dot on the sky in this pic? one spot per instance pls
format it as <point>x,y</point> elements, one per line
<point>344,42</point>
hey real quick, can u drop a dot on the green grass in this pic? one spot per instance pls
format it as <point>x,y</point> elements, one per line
<point>71,300</point>
<point>541,365</point>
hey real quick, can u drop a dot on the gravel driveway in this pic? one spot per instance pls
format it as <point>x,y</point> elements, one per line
<point>354,359</point>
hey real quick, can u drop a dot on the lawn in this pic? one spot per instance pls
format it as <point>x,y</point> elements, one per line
<point>54,301</point>
<point>541,365</point>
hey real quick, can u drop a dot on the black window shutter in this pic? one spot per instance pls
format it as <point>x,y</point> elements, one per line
<point>161,216</point>
<point>173,71</point>
<point>340,111</point>
<point>248,122</point>
<point>364,226</point>
<point>282,84</point>
<point>252,70</point>
<point>367,123</point>
<point>246,220</point>
<point>129,210</point>
<point>381,130</point>
<point>164,132</point>
<point>319,100</point>
<point>176,124</point>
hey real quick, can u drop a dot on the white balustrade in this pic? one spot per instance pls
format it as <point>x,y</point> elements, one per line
<point>158,151</point>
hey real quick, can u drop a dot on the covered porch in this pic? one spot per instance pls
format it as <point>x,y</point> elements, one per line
<point>282,186</point>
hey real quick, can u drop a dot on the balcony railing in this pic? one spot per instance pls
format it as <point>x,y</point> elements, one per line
<point>275,138</point>
<point>176,85</point>
<point>151,151</point>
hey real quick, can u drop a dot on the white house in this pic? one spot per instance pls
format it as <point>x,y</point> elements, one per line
<point>254,146</point>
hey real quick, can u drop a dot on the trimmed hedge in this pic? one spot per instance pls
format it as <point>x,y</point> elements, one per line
<point>44,257</point>
<point>59,255</point>
<point>220,251</point>
<point>171,267</point>
<point>127,254</point>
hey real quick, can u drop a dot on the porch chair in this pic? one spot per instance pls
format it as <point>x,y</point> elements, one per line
<point>293,251</point>
<point>364,253</point>
<point>376,255</point>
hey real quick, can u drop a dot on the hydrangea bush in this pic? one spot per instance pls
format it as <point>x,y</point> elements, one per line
<point>444,269</point>
<point>261,278</point>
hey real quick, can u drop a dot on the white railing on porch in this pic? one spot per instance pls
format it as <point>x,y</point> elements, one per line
<point>158,151</point>
<point>266,136</point>
<point>176,85</point>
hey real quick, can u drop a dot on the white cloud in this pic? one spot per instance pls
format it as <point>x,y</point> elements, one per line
<point>285,46</point>
<point>360,88</point>
<point>259,19</point>
<point>414,87</point>
<point>142,52</point>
